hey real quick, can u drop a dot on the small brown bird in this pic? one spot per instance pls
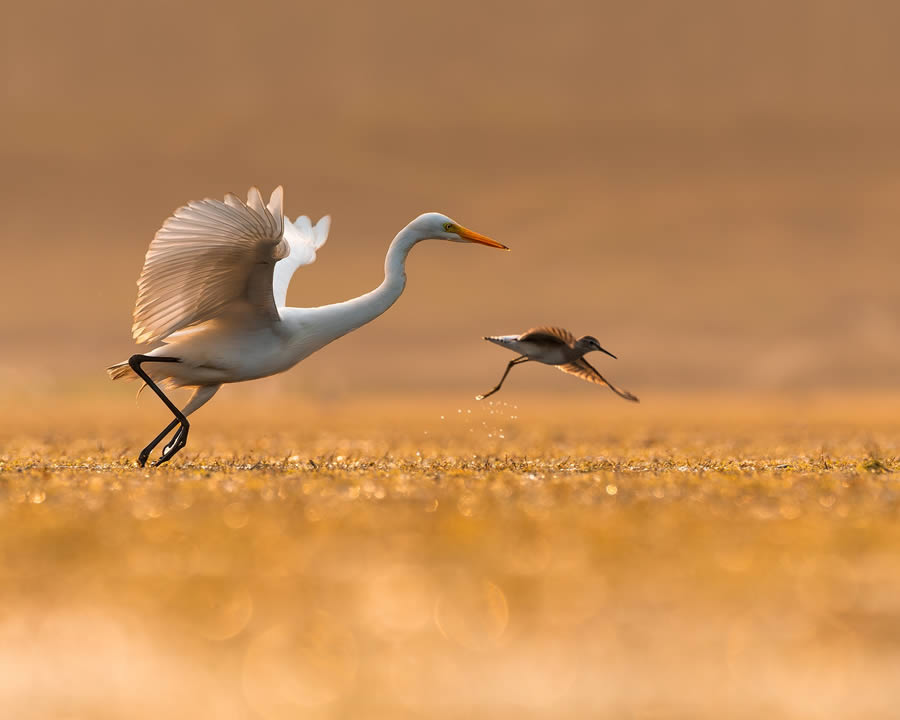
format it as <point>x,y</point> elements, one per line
<point>555,346</point>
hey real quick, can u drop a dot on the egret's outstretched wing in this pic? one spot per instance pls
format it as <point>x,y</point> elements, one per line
<point>549,335</point>
<point>304,239</point>
<point>205,257</point>
<point>583,369</point>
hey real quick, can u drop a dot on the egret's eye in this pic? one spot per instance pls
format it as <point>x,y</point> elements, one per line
<point>448,227</point>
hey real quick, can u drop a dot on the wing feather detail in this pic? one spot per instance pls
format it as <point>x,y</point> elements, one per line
<point>207,256</point>
<point>549,334</point>
<point>583,369</point>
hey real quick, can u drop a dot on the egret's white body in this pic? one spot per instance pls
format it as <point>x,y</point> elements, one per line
<point>213,292</point>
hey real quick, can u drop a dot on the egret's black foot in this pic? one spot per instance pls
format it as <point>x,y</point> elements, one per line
<point>174,441</point>
<point>145,453</point>
<point>177,443</point>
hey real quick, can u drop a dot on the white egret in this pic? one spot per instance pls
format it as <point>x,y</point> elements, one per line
<point>213,291</point>
<point>558,347</point>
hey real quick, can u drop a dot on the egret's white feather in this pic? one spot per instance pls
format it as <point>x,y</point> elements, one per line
<point>321,230</point>
<point>207,256</point>
<point>303,239</point>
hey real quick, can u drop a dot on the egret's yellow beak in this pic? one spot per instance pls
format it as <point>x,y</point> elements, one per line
<point>475,237</point>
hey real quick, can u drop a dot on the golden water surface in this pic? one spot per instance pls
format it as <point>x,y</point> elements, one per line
<point>444,558</point>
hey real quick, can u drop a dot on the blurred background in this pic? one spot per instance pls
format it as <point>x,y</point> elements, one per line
<point>710,188</point>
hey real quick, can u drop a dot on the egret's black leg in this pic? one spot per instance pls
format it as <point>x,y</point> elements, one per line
<point>135,362</point>
<point>178,441</point>
<point>145,453</point>
<point>174,441</point>
<point>517,361</point>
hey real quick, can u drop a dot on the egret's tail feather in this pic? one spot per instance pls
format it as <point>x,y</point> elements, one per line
<point>121,370</point>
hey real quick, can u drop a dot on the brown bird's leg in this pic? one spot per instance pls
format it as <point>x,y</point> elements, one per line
<point>180,439</point>
<point>519,360</point>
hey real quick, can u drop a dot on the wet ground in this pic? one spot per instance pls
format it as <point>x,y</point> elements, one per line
<point>440,558</point>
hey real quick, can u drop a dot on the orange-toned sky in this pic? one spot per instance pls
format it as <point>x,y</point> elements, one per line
<point>712,189</point>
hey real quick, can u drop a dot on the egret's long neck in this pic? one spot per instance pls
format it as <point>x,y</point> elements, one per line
<point>366,308</point>
<point>333,321</point>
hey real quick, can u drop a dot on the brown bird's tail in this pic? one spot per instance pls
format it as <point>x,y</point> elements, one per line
<point>503,340</point>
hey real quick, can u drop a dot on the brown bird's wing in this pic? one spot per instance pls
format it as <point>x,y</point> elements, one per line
<point>583,369</point>
<point>549,335</point>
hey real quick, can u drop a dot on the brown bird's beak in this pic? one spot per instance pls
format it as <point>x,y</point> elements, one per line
<point>604,350</point>
<point>475,237</point>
